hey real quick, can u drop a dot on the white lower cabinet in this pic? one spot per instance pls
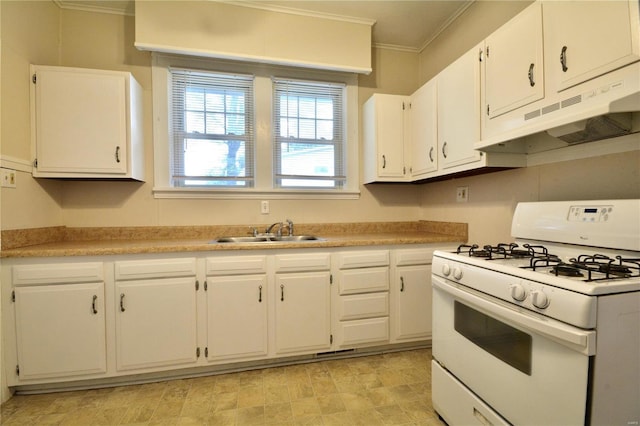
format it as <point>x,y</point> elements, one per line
<point>156,318</point>
<point>237,300</point>
<point>59,321</point>
<point>362,298</point>
<point>411,295</point>
<point>303,314</point>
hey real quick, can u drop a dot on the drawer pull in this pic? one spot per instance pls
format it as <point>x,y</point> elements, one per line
<point>282,292</point>
<point>259,294</point>
<point>93,305</point>
<point>122,302</point>
<point>401,283</point>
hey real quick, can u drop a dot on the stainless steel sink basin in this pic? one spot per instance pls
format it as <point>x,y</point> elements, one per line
<point>267,239</point>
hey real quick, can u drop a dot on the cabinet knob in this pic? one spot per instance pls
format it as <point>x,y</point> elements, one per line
<point>563,58</point>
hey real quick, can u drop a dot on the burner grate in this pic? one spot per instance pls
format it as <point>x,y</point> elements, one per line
<point>600,267</point>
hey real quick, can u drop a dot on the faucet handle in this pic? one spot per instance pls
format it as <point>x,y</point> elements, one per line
<point>290,226</point>
<point>254,231</point>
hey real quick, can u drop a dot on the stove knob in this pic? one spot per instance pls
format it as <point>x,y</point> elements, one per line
<point>457,273</point>
<point>518,292</point>
<point>446,270</point>
<point>540,300</point>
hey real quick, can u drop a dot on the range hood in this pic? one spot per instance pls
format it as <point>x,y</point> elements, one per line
<point>602,108</point>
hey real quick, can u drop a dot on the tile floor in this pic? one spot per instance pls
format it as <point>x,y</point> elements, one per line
<point>386,389</point>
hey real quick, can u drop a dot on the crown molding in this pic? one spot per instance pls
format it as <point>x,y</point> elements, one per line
<point>125,8</point>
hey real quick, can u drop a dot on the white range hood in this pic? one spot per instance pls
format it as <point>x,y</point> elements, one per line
<point>604,107</point>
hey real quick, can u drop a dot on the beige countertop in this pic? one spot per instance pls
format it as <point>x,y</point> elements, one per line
<point>62,241</point>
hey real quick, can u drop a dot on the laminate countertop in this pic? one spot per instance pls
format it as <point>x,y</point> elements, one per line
<point>63,241</point>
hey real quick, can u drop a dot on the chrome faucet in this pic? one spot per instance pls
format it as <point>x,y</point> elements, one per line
<point>270,228</point>
<point>290,226</point>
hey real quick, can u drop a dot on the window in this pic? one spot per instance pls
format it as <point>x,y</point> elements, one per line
<point>233,130</point>
<point>309,134</point>
<point>212,123</point>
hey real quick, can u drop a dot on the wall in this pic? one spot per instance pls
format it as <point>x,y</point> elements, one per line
<point>96,40</point>
<point>493,197</point>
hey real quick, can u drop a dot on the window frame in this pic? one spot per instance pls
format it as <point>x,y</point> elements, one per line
<point>264,178</point>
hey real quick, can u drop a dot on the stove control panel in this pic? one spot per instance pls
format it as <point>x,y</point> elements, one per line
<point>589,213</point>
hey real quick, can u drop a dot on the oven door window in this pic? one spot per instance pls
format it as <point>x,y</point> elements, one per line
<point>499,339</point>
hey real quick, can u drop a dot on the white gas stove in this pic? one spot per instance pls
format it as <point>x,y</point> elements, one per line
<point>551,316</point>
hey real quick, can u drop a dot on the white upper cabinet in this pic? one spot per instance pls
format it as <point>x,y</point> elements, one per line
<point>86,123</point>
<point>424,130</point>
<point>459,102</point>
<point>385,119</point>
<point>586,39</point>
<point>514,63</point>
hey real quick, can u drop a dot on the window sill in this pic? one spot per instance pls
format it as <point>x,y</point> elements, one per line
<point>248,194</point>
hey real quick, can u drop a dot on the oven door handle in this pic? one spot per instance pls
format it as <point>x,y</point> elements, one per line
<point>582,341</point>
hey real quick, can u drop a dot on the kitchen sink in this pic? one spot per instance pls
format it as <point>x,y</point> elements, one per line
<point>267,239</point>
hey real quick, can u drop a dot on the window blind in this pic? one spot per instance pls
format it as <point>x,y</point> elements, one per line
<point>308,134</point>
<point>212,124</point>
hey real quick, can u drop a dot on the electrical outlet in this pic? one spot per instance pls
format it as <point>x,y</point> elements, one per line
<point>8,178</point>
<point>462,194</point>
<point>264,207</point>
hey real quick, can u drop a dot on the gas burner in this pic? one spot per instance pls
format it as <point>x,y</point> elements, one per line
<point>601,267</point>
<point>566,270</point>
<point>473,251</point>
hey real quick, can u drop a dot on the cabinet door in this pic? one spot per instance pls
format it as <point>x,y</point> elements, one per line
<point>156,322</point>
<point>237,316</point>
<point>459,102</point>
<point>424,130</point>
<point>60,330</point>
<point>586,39</point>
<point>514,63</point>
<point>80,121</point>
<point>413,302</point>
<point>384,130</point>
<point>303,315</point>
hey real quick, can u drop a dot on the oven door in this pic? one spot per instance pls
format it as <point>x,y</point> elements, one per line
<point>528,368</point>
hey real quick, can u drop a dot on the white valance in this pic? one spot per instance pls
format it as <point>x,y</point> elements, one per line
<point>231,31</point>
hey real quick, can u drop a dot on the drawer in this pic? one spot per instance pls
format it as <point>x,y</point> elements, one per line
<point>58,273</point>
<point>363,306</point>
<point>360,332</point>
<point>302,262</point>
<point>155,268</point>
<point>363,259</point>
<point>236,265</point>
<point>421,256</point>
<point>367,280</point>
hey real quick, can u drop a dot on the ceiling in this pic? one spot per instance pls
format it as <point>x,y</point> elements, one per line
<point>398,24</point>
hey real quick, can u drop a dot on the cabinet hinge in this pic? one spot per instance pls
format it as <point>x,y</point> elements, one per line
<point>13,295</point>
<point>197,285</point>
<point>205,286</point>
<point>17,370</point>
<point>403,106</point>
<point>197,352</point>
<point>330,338</point>
<point>331,279</point>
<point>34,78</point>
<point>487,52</point>
<point>206,352</point>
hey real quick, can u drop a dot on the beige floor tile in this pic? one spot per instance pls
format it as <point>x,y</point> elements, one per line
<point>330,404</point>
<point>224,402</point>
<point>369,417</point>
<point>251,396</point>
<point>276,394</point>
<point>393,415</point>
<point>356,401</point>
<point>222,418</point>
<point>323,386</point>
<point>278,413</point>
<point>337,419</point>
<point>380,397</point>
<point>250,416</point>
<point>308,421</point>
<point>300,390</point>
<point>305,407</point>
